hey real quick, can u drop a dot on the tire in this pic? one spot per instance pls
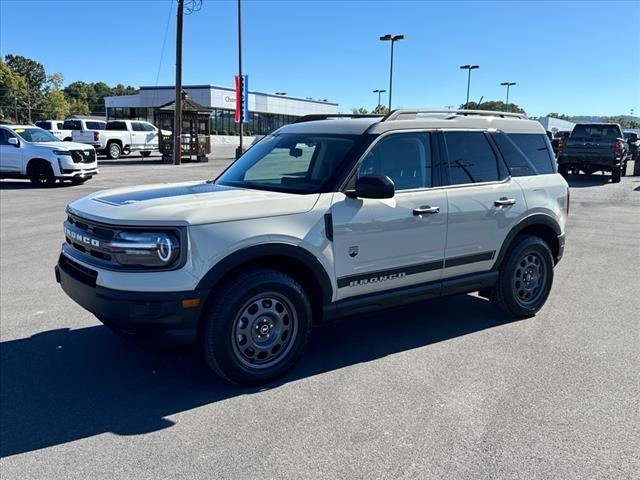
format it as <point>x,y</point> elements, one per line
<point>114,150</point>
<point>68,139</point>
<point>564,171</point>
<point>145,154</point>
<point>41,175</point>
<point>616,173</point>
<point>256,327</point>
<point>525,277</point>
<point>79,181</point>
<point>636,167</point>
<point>623,169</point>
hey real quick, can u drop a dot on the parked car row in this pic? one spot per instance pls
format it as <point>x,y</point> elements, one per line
<point>113,138</point>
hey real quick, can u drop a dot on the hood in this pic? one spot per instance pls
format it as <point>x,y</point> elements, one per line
<point>63,145</point>
<point>192,203</point>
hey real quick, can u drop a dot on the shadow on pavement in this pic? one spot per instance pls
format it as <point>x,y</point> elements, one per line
<point>64,385</point>
<point>582,181</point>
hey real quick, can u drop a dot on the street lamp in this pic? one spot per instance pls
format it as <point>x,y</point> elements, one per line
<point>393,39</point>
<point>508,84</point>
<point>468,67</point>
<point>379,92</point>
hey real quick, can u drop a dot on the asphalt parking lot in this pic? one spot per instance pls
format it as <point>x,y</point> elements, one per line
<point>445,389</point>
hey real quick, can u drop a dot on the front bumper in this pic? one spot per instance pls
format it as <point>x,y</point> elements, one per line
<point>78,173</point>
<point>132,312</point>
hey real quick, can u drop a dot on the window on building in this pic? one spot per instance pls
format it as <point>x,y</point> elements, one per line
<point>471,158</point>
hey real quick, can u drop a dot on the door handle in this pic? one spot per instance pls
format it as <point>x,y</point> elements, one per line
<point>504,201</point>
<point>425,210</point>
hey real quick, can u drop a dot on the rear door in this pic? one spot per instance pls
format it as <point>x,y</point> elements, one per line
<point>484,202</point>
<point>10,155</point>
<point>151,136</point>
<point>381,244</point>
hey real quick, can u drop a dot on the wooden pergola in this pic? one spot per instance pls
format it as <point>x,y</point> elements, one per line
<point>196,130</point>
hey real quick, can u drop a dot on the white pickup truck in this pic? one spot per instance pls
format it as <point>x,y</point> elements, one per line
<point>56,128</point>
<point>77,125</point>
<point>122,137</point>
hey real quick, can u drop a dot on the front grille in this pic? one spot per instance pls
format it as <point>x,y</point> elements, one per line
<point>77,271</point>
<point>89,238</point>
<point>83,156</point>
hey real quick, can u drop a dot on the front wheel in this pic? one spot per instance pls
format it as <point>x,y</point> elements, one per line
<point>256,327</point>
<point>41,175</point>
<point>525,277</point>
<point>145,154</point>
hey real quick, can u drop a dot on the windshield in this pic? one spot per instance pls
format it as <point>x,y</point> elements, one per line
<point>36,135</point>
<point>292,163</point>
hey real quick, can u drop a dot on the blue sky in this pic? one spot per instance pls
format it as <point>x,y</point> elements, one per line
<point>575,57</point>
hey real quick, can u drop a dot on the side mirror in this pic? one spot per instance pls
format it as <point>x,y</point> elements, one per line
<point>14,141</point>
<point>373,186</point>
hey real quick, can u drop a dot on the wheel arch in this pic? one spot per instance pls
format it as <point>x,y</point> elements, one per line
<point>293,260</point>
<point>32,163</point>
<point>540,225</point>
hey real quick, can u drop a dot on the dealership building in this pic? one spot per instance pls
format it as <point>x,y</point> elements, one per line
<point>266,111</point>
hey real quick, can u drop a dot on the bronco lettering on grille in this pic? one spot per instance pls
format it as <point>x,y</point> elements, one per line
<point>81,238</point>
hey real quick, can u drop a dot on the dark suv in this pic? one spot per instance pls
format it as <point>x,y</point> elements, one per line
<point>594,147</point>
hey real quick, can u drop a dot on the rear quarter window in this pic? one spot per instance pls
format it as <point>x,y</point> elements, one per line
<point>526,153</point>
<point>95,125</point>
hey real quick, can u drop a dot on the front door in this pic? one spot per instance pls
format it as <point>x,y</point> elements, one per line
<point>10,155</point>
<point>138,136</point>
<point>484,203</point>
<point>381,244</point>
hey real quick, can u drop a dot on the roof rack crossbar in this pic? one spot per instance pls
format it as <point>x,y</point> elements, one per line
<point>396,114</point>
<point>322,116</point>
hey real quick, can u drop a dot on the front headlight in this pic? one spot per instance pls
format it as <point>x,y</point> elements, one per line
<point>62,152</point>
<point>145,249</point>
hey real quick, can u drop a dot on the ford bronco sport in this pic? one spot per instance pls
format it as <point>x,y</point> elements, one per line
<point>322,218</point>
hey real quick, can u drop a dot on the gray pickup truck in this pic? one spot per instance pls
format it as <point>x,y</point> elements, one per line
<point>594,147</point>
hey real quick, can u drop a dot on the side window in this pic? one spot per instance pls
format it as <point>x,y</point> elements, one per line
<point>147,127</point>
<point>525,153</point>
<point>95,125</point>
<point>45,125</point>
<point>471,158</point>
<point>59,125</point>
<point>72,125</point>
<point>137,127</point>
<point>116,126</point>
<point>403,157</point>
<point>4,137</point>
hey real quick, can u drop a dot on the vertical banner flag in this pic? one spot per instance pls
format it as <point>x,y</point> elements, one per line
<point>245,99</point>
<point>238,100</point>
<point>242,99</point>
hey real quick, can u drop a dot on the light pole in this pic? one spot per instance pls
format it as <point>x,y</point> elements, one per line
<point>379,92</point>
<point>469,68</point>
<point>507,84</point>
<point>393,39</point>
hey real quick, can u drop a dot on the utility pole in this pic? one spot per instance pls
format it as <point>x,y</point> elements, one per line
<point>177,123</point>
<point>15,106</point>
<point>240,77</point>
<point>507,84</point>
<point>29,99</point>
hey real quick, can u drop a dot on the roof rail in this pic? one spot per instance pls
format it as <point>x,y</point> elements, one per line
<point>396,114</point>
<point>322,116</point>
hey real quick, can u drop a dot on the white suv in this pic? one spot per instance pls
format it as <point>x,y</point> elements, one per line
<point>33,153</point>
<point>323,218</point>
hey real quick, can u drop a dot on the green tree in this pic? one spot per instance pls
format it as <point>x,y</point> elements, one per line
<point>624,123</point>
<point>54,105</point>
<point>360,111</point>
<point>13,94</point>
<point>559,116</point>
<point>381,109</point>
<point>494,106</point>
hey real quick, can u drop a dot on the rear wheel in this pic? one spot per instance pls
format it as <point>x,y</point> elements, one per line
<point>256,327</point>
<point>623,169</point>
<point>525,277</point>
<point>563,170</point>
<point>145,154</point>
<point>616,173</point>
<point>41,175</point>
<point>114,150</point>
